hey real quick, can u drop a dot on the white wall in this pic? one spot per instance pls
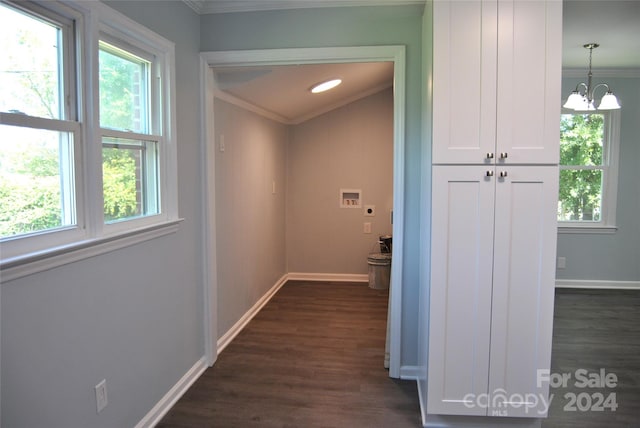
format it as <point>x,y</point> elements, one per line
<point>350,147</point>
<point>250,218</point>
<point>134,316</point>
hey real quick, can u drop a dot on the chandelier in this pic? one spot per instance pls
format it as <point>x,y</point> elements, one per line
<point>581,99</point>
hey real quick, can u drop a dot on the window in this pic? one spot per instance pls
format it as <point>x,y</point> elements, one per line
<point>78,169</point>
<point>39,133</point>
<point>129,143</point>
<point>588,170</point>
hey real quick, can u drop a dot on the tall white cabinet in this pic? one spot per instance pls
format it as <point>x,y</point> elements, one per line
<point>496,115</point>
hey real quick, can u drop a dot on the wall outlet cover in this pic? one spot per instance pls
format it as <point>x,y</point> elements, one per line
<point>101,395</point>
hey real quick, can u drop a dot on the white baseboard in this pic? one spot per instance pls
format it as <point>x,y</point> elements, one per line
<point>447,421</point>
<point>170,398</point>
<point>248,316</point>
<point>411,372</point>
<point>335,277</point>
<point>597,284</point>
<point>422,400</point>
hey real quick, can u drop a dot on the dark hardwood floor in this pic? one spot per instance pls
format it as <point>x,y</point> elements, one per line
<point>593,330</point>
<point>313,358</point>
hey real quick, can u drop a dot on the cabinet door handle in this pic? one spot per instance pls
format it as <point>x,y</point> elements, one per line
<point>503,174</point>
<point>504,155</point>
<point>489,155</point>
<point>489,173</point>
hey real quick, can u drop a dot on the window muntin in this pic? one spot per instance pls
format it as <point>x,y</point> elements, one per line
<point>588,148</point>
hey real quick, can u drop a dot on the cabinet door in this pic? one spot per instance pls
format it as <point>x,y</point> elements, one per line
<point>523,288</point>
<point>529,77</point>
<point>460,306</point>
<point>464,81</point>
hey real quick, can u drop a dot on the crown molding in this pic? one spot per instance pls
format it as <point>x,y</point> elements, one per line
<point>196,5</point>
<point>226,6</point>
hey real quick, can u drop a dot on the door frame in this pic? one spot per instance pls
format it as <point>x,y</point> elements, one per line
<point>208,60</point>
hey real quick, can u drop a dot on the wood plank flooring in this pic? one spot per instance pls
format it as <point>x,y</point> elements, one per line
<point>596,329</point>
<point>313,357</point>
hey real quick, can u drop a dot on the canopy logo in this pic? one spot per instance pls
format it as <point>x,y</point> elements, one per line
<point>592,394</point>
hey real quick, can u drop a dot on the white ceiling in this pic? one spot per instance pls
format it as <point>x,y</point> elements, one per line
<point>282,92</point>
<point>613,24</point>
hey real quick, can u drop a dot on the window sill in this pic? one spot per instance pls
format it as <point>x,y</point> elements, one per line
<point>587,230</point>
<point>29,264</point>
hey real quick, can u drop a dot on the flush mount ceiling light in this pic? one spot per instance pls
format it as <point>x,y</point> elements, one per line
<point>583,101</point>
<point>325,86</point>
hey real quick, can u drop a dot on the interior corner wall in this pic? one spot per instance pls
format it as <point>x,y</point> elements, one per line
<point>351,26</point>
<point>612,257</point>
<point>250,209</point>
<point>350,148</point>
<point>133,316</point>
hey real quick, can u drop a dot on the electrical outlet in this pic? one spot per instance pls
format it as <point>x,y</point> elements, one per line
<point>367,228</point>
<point>101,395</point>
<point>370,210</point>
<point>561,263</point>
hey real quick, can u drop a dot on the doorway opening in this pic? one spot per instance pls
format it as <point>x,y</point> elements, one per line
<point>256,62</point>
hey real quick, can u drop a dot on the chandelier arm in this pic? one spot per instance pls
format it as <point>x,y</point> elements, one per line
<point>584,85</point>
<point>593,91</point>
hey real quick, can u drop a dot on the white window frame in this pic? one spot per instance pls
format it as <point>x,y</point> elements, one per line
<point>611,147</point>
<point>147,46</point>
<point>25,255</point>
<point>36,242</point>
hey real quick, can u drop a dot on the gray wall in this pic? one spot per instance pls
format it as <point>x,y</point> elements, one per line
<point>364,26</point>
<point>134,316</point>
<point>350,147</point>
<point>614,257</point>
<point>250,218</point>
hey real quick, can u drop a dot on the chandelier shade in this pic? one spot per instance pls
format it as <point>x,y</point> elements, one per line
<point>609,102</point>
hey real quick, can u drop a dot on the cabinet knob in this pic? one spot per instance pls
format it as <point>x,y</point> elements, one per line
<point>489,155</point>
<point>490,173</point>
<point>503,174</point>
<point>504,155</point>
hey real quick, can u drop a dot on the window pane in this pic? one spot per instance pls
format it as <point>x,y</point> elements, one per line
<point>130,180</point>
<point>124,90</point>
<point>36,187</point>
<point>581,139</point>
<point>580,195</point>
<point>30,65</point>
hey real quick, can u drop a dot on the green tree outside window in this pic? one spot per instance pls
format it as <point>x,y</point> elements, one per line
<point>581,167</point>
